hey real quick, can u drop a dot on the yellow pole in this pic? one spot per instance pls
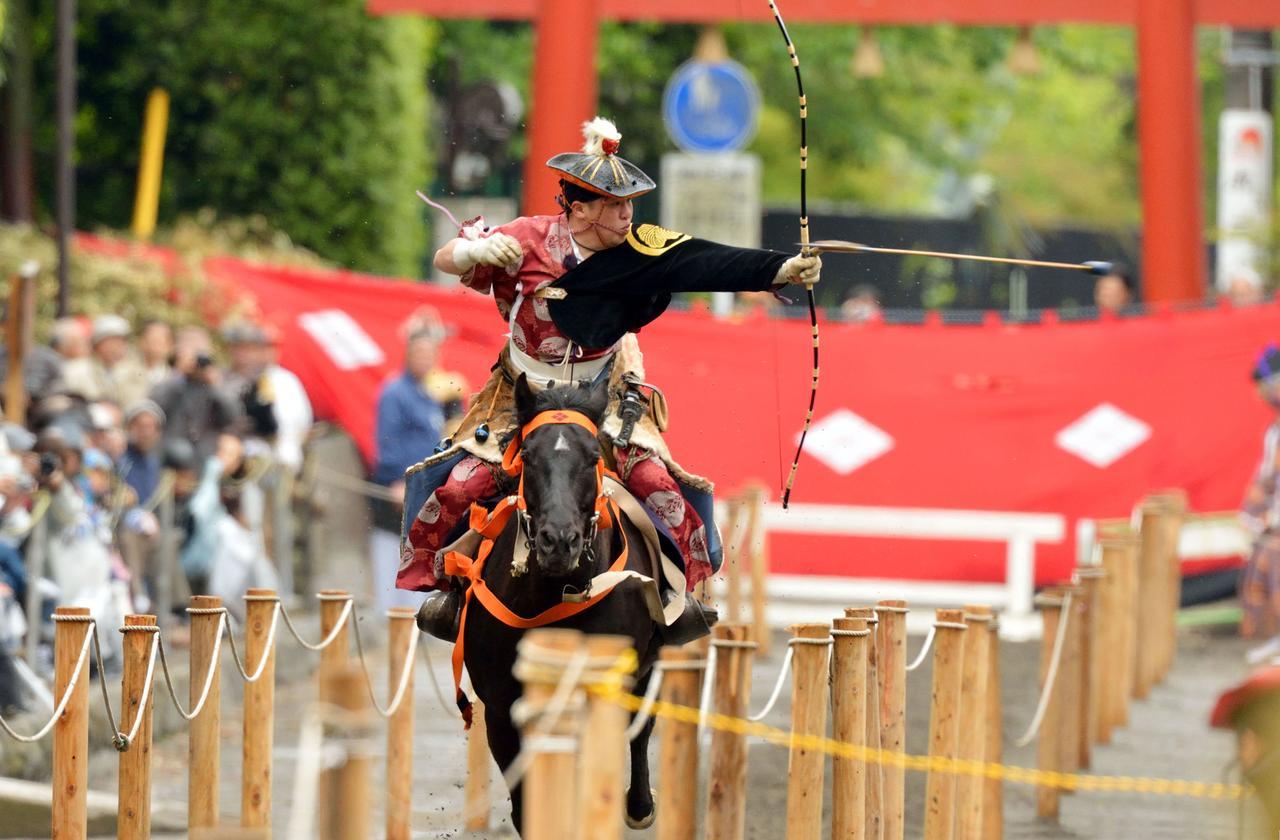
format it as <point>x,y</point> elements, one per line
<point>150,164</point>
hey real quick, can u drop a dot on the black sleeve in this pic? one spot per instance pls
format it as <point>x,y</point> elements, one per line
<point>702,266</point>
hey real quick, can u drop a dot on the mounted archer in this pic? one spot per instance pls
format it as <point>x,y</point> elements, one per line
<point>574,288</point>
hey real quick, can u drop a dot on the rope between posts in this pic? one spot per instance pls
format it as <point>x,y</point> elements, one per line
<point>266,648</point>
<point>642,714</point>
<point>547,716</point>
<point>924,649</point>
<point>451,709</point>
<point>929,763</point>
<point>208,678</point>
<point>1052,674</point>
<point>405,673</point>
<point>120,740</point>
<point>71,686</point>
<point>782,675</point>
<point>333,633</point>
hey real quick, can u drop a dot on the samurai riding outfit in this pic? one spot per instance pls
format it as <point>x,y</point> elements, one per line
<point>573,319</point>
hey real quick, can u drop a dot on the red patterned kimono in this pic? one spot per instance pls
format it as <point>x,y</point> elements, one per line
<point>547,246</point>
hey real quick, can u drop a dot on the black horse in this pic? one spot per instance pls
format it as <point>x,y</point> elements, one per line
<point>560,492</point>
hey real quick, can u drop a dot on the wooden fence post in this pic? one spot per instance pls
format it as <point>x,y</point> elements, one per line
<point>993,789</point>
<point>758,541</point>
<point>1049,748</point>
<point>353,788</point>
<point>477,797</point>
<point>1152,596</point>
<point>400,629</point>
<point>604,752</point>
<point>808,717</point>
<point>891,651</point>
<point>678,747</point>
<point>944,721</point>
<point>737,550</point>
<point>1175,502</point>
<point>1116,629</point>
<point>71,732</point>
<point>876,771</point>
<point>333,660</point>
<point>849,725</point>
<point>727,776</point>
<point>549,795</point>
<point>133,817</point>
<point>259,708</point>
<point>1069,688</point>
<point>974,709</point>
<point>203,734</point>
<point>1091,688</point>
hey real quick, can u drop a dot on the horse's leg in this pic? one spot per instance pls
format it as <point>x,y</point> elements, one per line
<point>504,746</point>
<point>640,807</point>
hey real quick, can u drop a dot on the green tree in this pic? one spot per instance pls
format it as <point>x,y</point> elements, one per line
<point>312,114</point>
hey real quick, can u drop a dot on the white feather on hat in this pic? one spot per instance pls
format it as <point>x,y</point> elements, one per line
<point>596,132</point>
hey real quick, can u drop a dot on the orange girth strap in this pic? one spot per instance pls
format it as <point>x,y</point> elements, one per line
<point>457,564</point>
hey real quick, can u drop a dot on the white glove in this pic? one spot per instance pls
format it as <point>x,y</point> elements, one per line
<point>799,269</point>
<point>497,250</point>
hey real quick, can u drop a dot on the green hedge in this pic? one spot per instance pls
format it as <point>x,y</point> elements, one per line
<point>311,114</point>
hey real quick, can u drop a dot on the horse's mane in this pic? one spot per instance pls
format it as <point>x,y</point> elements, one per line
<point>567,398</point>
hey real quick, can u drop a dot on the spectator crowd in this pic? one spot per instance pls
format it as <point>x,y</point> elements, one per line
<point>142,462</point>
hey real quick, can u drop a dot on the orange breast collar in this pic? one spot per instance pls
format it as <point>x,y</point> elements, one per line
<point>491,524</point>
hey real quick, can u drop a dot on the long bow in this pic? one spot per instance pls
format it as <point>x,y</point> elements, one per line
<point>804,244</point>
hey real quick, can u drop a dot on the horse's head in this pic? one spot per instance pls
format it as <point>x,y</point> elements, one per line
<point>560,472</point>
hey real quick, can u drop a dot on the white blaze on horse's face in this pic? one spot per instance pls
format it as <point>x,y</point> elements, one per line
<point>560,490</point>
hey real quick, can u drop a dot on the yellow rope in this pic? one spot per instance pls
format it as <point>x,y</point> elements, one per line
<point>929,763</point>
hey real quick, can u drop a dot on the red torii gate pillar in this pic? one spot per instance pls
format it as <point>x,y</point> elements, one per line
<point>564,85</point>
<point>1173,257</point>
<point>564,92</point>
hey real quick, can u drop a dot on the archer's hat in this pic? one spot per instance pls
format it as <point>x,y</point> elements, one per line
<point>598,169</point>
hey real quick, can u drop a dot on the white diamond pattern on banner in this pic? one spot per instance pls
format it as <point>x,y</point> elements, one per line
<point>343,340</point>
<point>844,441</point>
<point>1103,436</point>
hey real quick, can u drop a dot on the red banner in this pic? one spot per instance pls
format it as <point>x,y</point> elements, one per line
<point>1079,419</point>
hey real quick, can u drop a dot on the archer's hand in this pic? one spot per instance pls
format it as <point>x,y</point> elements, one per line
<point>799,269</point>
<point>498,250</point>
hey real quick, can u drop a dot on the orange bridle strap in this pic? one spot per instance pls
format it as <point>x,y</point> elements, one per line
<point>490,525</point>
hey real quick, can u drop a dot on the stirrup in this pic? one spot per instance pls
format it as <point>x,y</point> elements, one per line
<point>694,623</point>
<point>440,613</point>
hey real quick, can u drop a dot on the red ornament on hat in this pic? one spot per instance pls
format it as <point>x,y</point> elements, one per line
<point>610,147</point>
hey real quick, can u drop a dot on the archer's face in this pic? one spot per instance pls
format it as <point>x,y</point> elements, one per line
<point>611,219</point>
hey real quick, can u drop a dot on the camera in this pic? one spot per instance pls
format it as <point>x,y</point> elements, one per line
<point>49,464</point>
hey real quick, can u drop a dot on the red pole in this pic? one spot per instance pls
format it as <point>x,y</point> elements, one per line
<point>564,93</point>
<point>1173,258</point>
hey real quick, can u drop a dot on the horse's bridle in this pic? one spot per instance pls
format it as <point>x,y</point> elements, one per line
<point>513,465</point>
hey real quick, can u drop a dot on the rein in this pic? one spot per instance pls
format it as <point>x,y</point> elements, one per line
<point>490,525</point>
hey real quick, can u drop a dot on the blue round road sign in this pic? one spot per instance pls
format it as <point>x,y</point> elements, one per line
<point>711,106</point>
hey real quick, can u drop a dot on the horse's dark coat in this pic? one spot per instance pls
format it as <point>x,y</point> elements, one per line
<point>560,483</point>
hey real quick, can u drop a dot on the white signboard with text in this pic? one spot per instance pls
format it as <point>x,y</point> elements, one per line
<point>1244,197</point>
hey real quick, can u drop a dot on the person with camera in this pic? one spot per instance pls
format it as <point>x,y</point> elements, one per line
<point>196,408</point>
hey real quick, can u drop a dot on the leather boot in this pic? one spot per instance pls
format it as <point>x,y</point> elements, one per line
<point>439,614</point>
<point>694,623</point>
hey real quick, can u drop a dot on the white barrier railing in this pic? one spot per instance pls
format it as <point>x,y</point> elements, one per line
<point>1020,532</point>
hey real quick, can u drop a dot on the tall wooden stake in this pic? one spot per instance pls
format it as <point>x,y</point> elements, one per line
<point>849,725</point>
<point>944,721</point>
<point>133,819</point>
<point>727,776</point>
<point>71,732</point>
<point>204,731</point>
<point>808,717</point>
<point>891,651</point>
